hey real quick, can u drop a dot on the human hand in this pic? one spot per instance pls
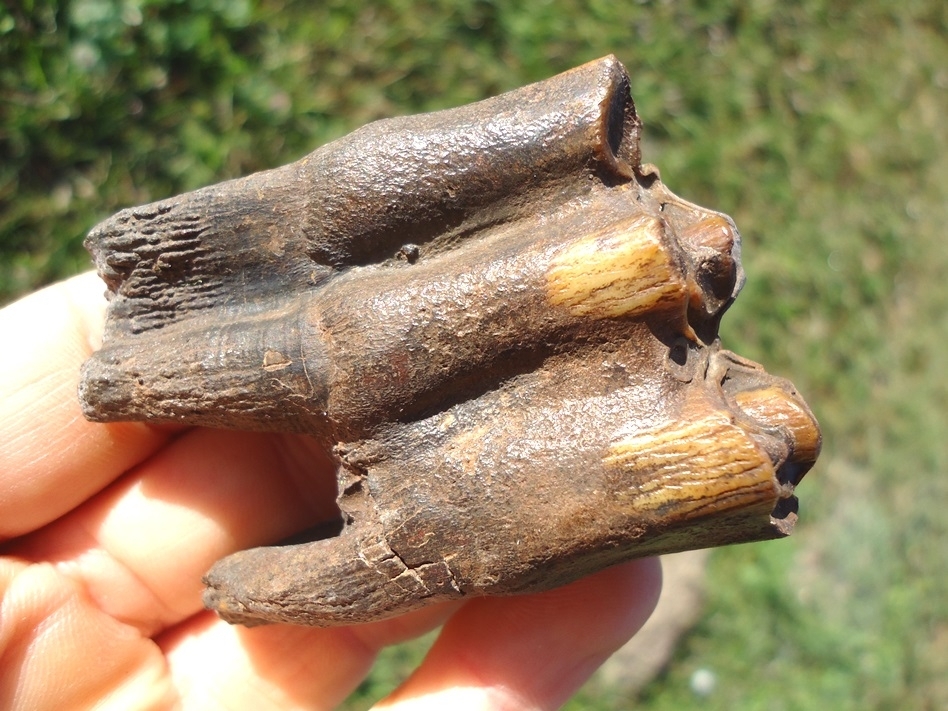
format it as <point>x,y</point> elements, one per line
<point>108,529</point>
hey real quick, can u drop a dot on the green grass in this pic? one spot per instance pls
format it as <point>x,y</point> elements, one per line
<point>819,126</point>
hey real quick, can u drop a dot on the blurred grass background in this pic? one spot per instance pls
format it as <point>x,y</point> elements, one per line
<point>819,126</point>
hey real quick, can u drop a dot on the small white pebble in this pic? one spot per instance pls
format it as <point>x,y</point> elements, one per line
<point>703,681</point>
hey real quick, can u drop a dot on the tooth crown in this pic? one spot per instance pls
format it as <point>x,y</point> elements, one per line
<point>501,324</point>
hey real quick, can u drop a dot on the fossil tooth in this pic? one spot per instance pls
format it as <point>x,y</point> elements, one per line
<point>499,321</point>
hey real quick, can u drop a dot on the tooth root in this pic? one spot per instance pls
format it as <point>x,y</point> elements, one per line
<point>347,579</point>
<point>775,406</point>
<point>628,270</point>
<point>691,468</point>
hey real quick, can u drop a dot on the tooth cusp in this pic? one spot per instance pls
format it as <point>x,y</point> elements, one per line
<point>708,464</point>
<point>628,270</point>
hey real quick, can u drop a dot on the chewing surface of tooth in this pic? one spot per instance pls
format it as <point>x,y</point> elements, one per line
<point>698,466</point>
<point>625,271</point>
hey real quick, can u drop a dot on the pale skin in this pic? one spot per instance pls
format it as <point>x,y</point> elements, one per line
<point>106,530</point>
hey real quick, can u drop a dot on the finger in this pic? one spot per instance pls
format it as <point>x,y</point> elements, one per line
<point>141,547</point>
<point>51,459</point>
<point>58,651</point>
<point>217,665</point>
<point>531,651</point>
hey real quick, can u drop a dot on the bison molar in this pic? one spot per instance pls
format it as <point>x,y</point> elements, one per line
<point>500,323</point>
